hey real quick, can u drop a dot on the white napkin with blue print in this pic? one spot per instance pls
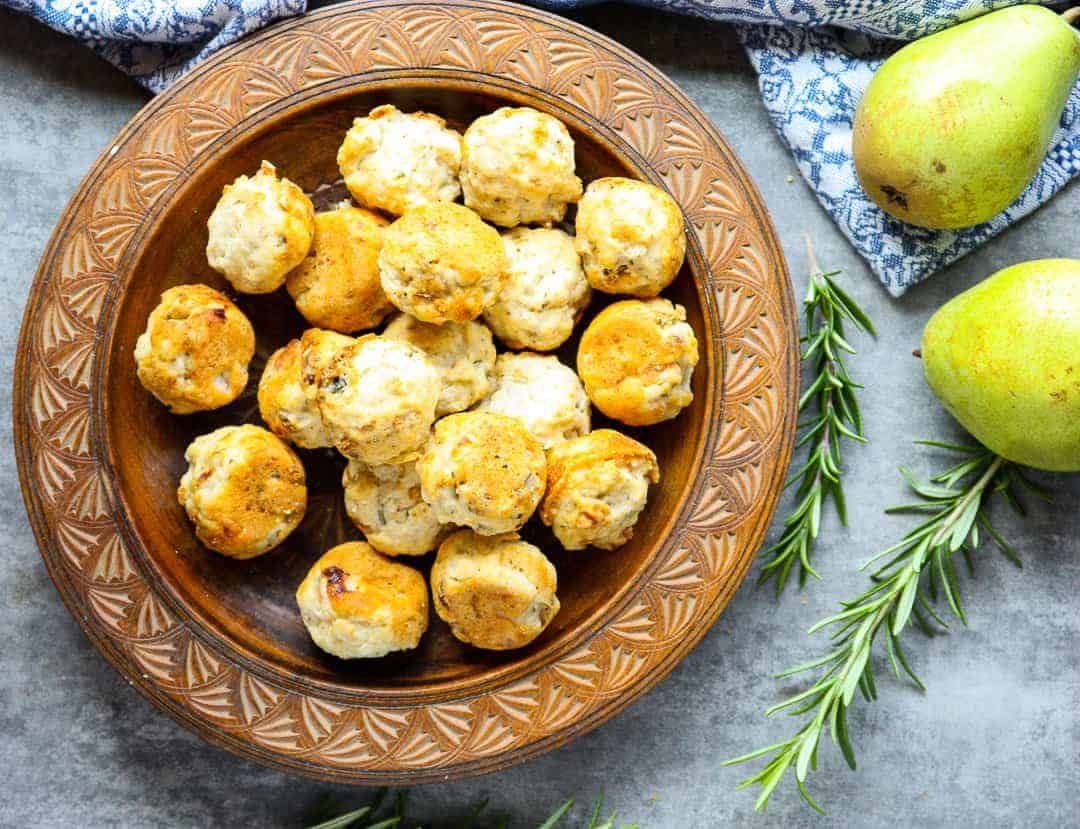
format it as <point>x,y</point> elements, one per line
<point>814,58</point>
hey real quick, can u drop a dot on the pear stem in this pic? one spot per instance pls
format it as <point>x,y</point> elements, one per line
<point>1072,16</point>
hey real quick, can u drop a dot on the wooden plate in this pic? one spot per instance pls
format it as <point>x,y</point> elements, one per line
<point>219,644</point>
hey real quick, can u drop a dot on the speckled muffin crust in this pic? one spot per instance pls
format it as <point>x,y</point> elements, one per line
<point>385,504</point>
<point>260,229</point>
<point>441,263</point>
<point>544,293</point>
<point>195,351</point>
<point>358,604</point>
<point>636,360</point>
<point>596,488</point>
<point>283,404</point>
<point>484,471</point>
<point>337,284</point>
<point>463,354</point>
<point>631,237</point>
<point>495,592</point>
<point>545,395</point>
<point>517,167</point>
<point>395,161</point>
<point>244,490</point>
<point>318,347</point>
<point>377,399</point>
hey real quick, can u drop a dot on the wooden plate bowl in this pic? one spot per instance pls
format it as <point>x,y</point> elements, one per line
<point>219,644</point>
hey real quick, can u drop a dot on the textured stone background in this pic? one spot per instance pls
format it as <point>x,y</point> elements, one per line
<point>995,742</point>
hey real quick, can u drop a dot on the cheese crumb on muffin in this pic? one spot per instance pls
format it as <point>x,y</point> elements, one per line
<point>283,404</point>
<point>636,360</point>
<point>546,396</point>
<point>261,229</point>
<point>385,504</point>
<point>495,592</point>
<point>463,354</point>
<point>395,161</point>
<point>195,351</point>
<point>244,490</point>
<point>596,488</point>
<point>482,470</point>
<point>630,236</point>
<point>337,285</point>
<point>357,604</point>
<point>544,293</point>
<point>377,399</point>
<point>517,167</point>
<point>440,263</point>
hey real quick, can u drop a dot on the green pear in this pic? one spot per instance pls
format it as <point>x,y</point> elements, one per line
<point>1004,358</point>
<point>953,127</point>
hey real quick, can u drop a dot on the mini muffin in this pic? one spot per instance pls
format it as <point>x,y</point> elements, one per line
<point>544,293</point>
<point>260,230</point>
<point>495,592</point>
<point>377,399</point>
<point>384,502</point>
<point>357,604</point>
<point>244,490</point>
<point>482,470</point>
<point>283,403</point>
<point>318,347</point>
<point>636,359</point>
<point>517,167</point>
<point>546,396</point>
<point>463,354</point>
<point>596,489</point>
<point>337,285</point>
<point>195,351</point>
<point>440,263</point>
<point>395,161</point>
<point>630,236</point>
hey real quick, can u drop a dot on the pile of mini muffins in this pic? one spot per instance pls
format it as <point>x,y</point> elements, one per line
<point>450,444</point>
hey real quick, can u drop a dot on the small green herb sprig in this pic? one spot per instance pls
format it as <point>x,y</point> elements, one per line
<point>371,817</point>
<point>917,574</point>
<point>831,396</point>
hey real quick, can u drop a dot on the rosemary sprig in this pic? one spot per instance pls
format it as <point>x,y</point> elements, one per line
<point>917,572</point>
<point>832,397</point>
<point>367,817</point>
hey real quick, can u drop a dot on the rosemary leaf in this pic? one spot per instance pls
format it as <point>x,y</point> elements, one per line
<point>919,578</point>
<point>830,414</point>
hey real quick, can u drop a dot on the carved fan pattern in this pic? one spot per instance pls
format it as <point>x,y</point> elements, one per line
<point>748,448</point>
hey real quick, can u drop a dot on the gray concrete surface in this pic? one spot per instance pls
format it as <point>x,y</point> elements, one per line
<point>995,742</point>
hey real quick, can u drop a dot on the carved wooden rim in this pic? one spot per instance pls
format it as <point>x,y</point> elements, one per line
<point>65,475</point>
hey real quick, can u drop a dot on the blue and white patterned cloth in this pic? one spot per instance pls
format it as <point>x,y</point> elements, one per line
<point>814,58</point>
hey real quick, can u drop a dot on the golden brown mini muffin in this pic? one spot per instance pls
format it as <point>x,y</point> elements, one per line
<point>283,403</point>
<point>357,604</point>
<point>630,236</point>
<point>636,360</point>
<point>377,399</point>
<point>244,490</point>
<point>440,263</point>
<point>546,396</point>
<point>482,470</point>
<point>462,352</point>
<point>384,502</point>
<point>596,489</point>
<point>496,592</point>
<point>337,285</point>
<point>544,293</point>
<point>195,351</point>
<point>517,167</point>
<point>395,161</point>
<point>260,230</point>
